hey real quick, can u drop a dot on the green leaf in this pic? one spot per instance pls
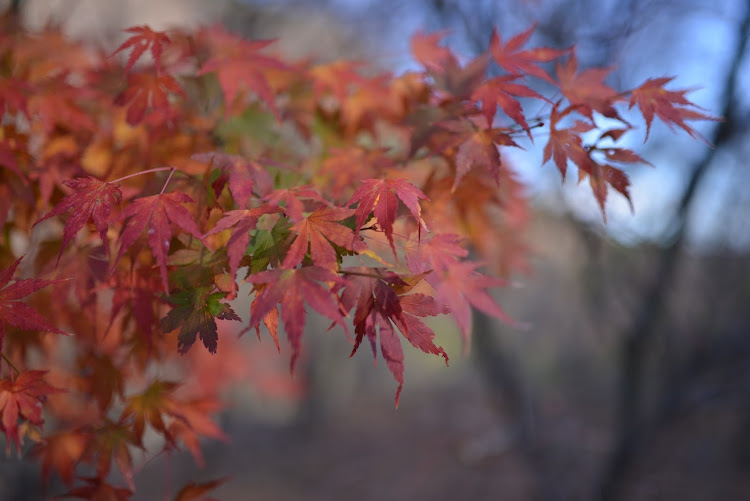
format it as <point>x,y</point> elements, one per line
<point>195,314</point>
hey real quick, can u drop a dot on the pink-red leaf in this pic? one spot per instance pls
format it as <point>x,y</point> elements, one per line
<point>500,91</point>
<point>144,38</point>
<point>243,221</point>
<point>670,106</point>
<point>21,398</point>
<point>380,197</point>
<point>292,289</point>
<point>158,213</point>
<point>523,62</point>
<point>91,199</point>
<point>322,228</point>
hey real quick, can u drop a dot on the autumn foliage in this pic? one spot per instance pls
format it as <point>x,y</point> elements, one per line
<point>139,188</point>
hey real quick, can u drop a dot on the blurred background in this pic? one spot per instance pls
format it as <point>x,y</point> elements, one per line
<point>632,381</point>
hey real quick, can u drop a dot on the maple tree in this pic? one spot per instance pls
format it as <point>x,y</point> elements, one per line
<point>332,188</point>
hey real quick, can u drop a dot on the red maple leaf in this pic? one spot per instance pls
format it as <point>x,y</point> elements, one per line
<point>449,76</point>
<point>564,144</point>
<point>91,199</point>
<point>150,407</point>
<point>380,198</point>
<point>377,306</point>
<point>439,252</point>
<point>322,229</point>
<point>369,291</point>
<point>247,178</point>
<point>476,147</point>
<point>57,103</point>
<point>586,90</point>
<point>240,65</point>
<point>523,62</point>
<point>20,314</point>
<point>21,398</point>
<point>157,212</point>
<point>142,39</point>
<point>291,200</point>
<point>291,289</point>
<point>111,442</point>
<point>420,335</point>
<point>196,492</point>
<point>499,91</point>
<point>669,105</point>
<point>194,421</point>
<point>61,452</point>
<point>243,221</point>
<point>460,287</point>
<point>146,90</point>
<point>97,489</point>
<point>336,77</point>
<point>426,50</point>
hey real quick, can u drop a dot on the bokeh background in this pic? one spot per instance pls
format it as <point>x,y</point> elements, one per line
<point>632,381</point>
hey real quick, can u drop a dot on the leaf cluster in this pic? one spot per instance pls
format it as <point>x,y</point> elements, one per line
<point>204,160</point>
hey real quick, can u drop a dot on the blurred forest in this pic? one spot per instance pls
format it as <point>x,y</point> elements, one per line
<point>632,381</point>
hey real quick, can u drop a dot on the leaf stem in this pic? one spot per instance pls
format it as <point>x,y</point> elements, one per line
<point>167,181</point>
<point>9,362</point>
<point>156,169</point>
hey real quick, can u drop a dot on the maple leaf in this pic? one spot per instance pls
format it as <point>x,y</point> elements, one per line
<point>14,94</point>
<point>444,67</point>
<point>426,50</point>
<point>291,200</point>
<point>240,65</point>
<point>194,421</point>
<point>57,103</point>
<point>143,38</point>
<point>441,251</point>
<point>372,294</point>
<point>393,353</point>
<point>586,90</point>
<point>146,90</point>
<point>380,197</point>
<point>322,229</point>
<point>565,143</point>
<point>101,378</point>
<point>138,289</point>
<point>499,91</point>
<point>670,106</point>
<point>110,442</point>
<point>93,199</point>
<point>523,62</point>
<point>601,175</point>
<point>157,212</point>
<point>21,398</point>
<point>460,287</point>
<point>270,246</point>
<point>243,221</point>
<point>336,77</point>
<point>98,490</point>
<point>195,313</point>
<point>247,178</point>
<point>195,492</point>
<point>149,407</point>
<point>291,289</point>
<point>478,148</point>
<point>414,330</point>
<point>20,314</point>
<point>369,291</point>
<point>61,452</point>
